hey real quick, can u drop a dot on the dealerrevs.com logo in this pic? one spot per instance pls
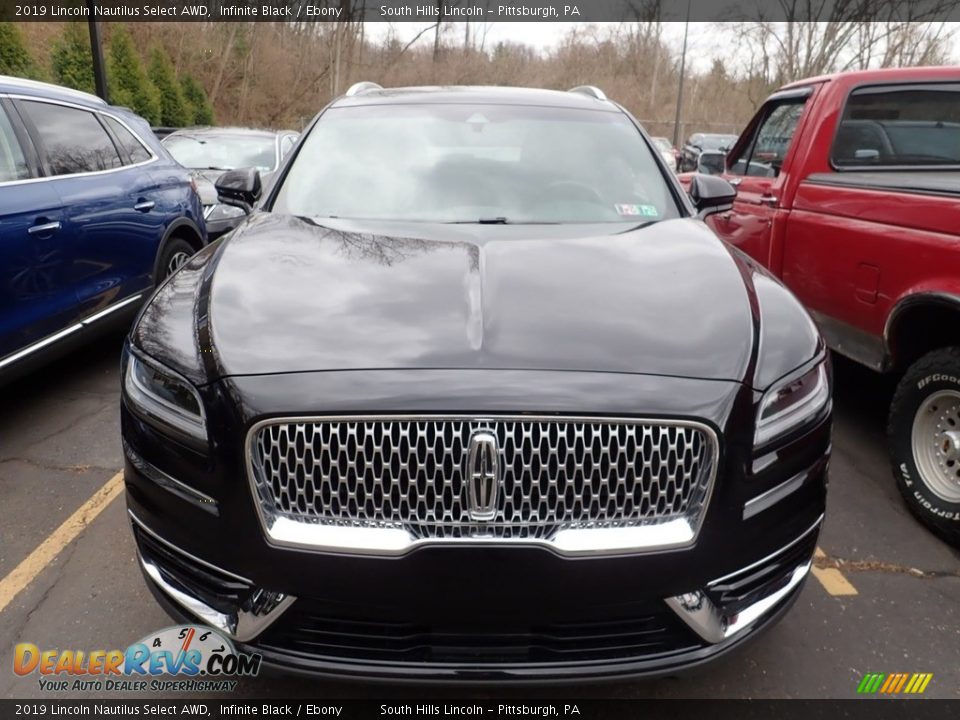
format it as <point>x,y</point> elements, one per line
<point>185,658</point>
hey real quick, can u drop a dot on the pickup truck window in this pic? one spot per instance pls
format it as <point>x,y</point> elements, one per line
<point>13,165</point>
<point>764,156</point>
<point>901,126</point>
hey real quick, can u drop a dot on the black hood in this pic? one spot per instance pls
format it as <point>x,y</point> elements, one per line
<point>289,295</point>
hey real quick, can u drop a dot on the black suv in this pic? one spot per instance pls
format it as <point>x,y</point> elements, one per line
<point>475,395</point>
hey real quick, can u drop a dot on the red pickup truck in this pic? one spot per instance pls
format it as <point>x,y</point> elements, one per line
<point>848,189</point>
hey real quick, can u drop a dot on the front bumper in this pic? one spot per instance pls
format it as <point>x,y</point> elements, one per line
<point>476,613</point>
<point>300,635</point>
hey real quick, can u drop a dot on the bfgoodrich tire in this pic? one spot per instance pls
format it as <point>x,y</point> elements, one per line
<point>924,438</point>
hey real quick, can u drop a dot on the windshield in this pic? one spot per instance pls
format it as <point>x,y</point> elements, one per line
<point>476,164</point>
<point>222,152</point>
<point>717,142</point>
<point>711,163</point>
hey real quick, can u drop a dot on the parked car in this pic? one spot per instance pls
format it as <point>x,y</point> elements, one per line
<point>848,191</point>
<point>701,142</point>
<point>453,405</point>
<point>209,151</point>
<point>711,162</point>
<point>93,214</point>
<point>668,152</point>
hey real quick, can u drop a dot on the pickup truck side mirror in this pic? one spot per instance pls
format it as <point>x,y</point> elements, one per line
<point>711,194</point>
<point>240,188</point>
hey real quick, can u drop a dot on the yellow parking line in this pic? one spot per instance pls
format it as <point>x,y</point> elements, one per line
<point>832,579</point>
<point>31,566</point>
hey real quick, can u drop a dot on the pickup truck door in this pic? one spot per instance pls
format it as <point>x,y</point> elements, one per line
<point>755,167</point>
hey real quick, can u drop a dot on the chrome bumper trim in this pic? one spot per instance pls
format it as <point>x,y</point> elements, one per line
<point>771,556</point>
<point>712,624</point>
<point>66,332</point>
<point>709,621</point>
<point>243,624</point>
<point>287,533</point>
<point>170,483</point>
<point>771,497</point>
<point>140,524</point>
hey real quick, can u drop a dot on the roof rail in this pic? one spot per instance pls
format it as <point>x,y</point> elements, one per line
<point>49,87</point>
<point>362,87</point>
<point>590,90</point>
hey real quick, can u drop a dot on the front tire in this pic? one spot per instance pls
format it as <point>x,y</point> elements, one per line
<point>924,439</point>
<point>175,254</point>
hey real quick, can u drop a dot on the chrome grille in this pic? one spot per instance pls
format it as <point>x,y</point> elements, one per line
<point>410,473</point>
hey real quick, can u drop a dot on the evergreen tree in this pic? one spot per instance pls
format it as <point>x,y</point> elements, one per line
<point>202,112</point>
<point>174,111</point>
<point>71,59</point>
<point>129,84</point>
<point>14,57</point>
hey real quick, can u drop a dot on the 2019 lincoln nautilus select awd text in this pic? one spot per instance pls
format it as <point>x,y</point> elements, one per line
<point>473,394</point>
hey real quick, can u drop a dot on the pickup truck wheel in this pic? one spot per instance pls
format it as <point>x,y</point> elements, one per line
<point>924,434</point>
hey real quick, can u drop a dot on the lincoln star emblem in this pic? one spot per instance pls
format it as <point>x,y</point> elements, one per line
<point>483,475</point>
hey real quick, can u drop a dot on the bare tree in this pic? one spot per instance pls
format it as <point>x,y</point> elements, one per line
<point>818,37</point>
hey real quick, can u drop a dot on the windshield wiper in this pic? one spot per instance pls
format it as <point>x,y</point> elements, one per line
<point>499,220</point>
<point>642,225</point>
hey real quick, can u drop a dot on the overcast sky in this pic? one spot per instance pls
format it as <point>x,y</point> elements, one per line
<point>706,40</point>
<point>701,48</point>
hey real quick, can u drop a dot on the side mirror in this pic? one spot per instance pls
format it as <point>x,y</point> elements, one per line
<point>240,188</point>
<point>711,194</point>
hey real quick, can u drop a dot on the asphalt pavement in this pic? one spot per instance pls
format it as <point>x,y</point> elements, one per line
<point>885,599</point>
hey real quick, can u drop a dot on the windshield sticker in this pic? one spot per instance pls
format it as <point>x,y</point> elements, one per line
<point>637,211</point>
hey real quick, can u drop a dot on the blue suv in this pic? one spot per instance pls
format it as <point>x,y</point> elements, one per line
<point>94,213</point>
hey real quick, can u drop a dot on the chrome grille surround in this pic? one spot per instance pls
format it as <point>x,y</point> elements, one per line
<point>576,485</point>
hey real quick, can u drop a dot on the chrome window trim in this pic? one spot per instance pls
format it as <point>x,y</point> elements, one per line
<point>67,331</point>
<point>392,542</point>
<point>92,173</point>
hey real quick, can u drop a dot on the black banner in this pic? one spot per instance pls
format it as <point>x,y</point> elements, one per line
<point>431,11</point>
<point>872,709</point>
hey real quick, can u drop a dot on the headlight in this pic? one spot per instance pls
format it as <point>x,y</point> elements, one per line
<point>792,402</point>
<point>166,399</point>
<point>222,211</point>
